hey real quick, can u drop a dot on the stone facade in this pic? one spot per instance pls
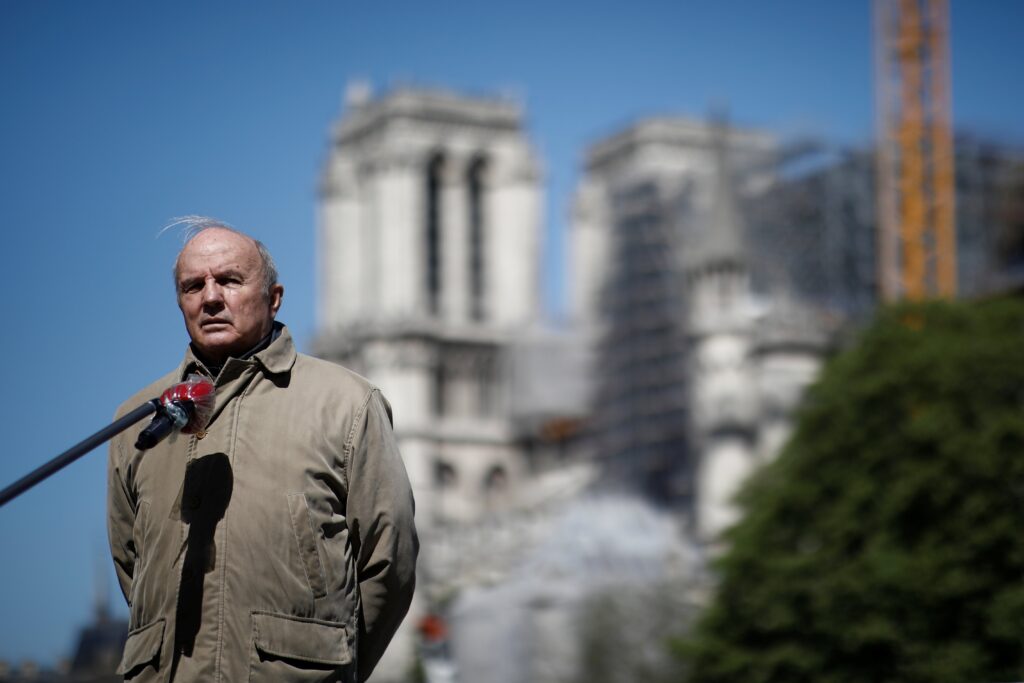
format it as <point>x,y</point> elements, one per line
<point>748,354</point>
<point>429,247</point>
<point>429,252</point>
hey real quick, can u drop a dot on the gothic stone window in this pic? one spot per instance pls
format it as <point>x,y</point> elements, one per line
<point>496,481</point>
<point>439,390</point>
<point>445,476</point>
<point>435,170</point>
<point>477,283</point>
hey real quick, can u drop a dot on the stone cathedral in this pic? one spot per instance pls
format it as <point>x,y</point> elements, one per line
<point>429,255</point>
<point>430,234</point>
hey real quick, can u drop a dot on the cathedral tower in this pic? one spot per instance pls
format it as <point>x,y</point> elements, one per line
<point>429,251</point>
<point>429,240</point>
<point>721,321</point>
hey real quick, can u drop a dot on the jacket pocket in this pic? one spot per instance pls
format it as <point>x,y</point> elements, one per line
<point>298,649</point>
<point>142,649</point>
<point>302,527</point>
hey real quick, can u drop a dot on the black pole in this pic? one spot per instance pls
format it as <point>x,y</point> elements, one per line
<point>77,451</point>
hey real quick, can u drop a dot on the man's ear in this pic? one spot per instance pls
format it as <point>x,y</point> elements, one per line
<point>276,294</point>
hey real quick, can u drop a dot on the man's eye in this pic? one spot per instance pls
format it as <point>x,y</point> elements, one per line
<point>191,287</point>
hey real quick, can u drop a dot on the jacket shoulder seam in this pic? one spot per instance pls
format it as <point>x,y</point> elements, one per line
<point>353,433</point>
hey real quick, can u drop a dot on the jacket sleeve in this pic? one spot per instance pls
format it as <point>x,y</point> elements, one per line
<point>120,520</point>
<point>380,514</point>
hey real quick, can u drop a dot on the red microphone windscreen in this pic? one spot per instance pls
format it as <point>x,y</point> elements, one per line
<point>200,391</point>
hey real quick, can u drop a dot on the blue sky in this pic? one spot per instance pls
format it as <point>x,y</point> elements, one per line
<point>118,116</point>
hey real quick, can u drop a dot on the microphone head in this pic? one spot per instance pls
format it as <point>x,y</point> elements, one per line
<point>197,390</point>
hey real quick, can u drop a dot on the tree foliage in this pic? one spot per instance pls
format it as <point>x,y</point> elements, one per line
<point>886,543</point>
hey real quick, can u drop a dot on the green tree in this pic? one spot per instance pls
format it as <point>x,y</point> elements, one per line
<point>886,543</point>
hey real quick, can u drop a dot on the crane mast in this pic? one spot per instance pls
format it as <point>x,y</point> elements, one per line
<point>916,189</point>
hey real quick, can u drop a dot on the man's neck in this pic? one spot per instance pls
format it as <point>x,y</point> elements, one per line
<point>215,367</point>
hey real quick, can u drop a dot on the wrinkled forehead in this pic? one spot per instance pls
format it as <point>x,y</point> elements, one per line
<point>217,249</point>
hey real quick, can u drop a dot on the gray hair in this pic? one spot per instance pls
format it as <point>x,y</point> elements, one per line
<point>190,226</point>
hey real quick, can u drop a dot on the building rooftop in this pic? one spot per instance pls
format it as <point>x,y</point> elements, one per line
<point>680,132</point>
<point>366,112</point>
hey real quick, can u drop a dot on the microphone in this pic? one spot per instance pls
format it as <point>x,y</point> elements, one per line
<point>186,406</point>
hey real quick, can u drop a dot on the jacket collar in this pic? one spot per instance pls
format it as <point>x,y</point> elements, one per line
<point>278,357</point>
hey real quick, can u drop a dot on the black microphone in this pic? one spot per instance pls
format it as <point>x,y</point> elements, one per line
<point>174,414</point>
<point>187,406</point>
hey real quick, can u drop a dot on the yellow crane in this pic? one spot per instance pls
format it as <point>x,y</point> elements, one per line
<point>916,188</point>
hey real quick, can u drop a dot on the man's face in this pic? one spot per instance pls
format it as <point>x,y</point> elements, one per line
<point>221,295</point>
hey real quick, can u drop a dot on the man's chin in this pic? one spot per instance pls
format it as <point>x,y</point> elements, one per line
<point>218,348</point>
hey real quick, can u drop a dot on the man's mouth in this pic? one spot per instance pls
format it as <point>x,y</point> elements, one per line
<point>214,321</point>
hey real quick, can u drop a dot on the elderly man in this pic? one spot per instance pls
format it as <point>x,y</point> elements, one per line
<point>277,544</point>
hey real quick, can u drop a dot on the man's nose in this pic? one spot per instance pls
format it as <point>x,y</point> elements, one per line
<point>212,294</point>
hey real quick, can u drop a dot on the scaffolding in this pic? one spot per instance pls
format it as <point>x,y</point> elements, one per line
<point>640,409</point>
<point>812,232</point>
<point>816,232</point>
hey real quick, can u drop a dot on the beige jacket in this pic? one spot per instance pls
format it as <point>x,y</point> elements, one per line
<point>277,546</point>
